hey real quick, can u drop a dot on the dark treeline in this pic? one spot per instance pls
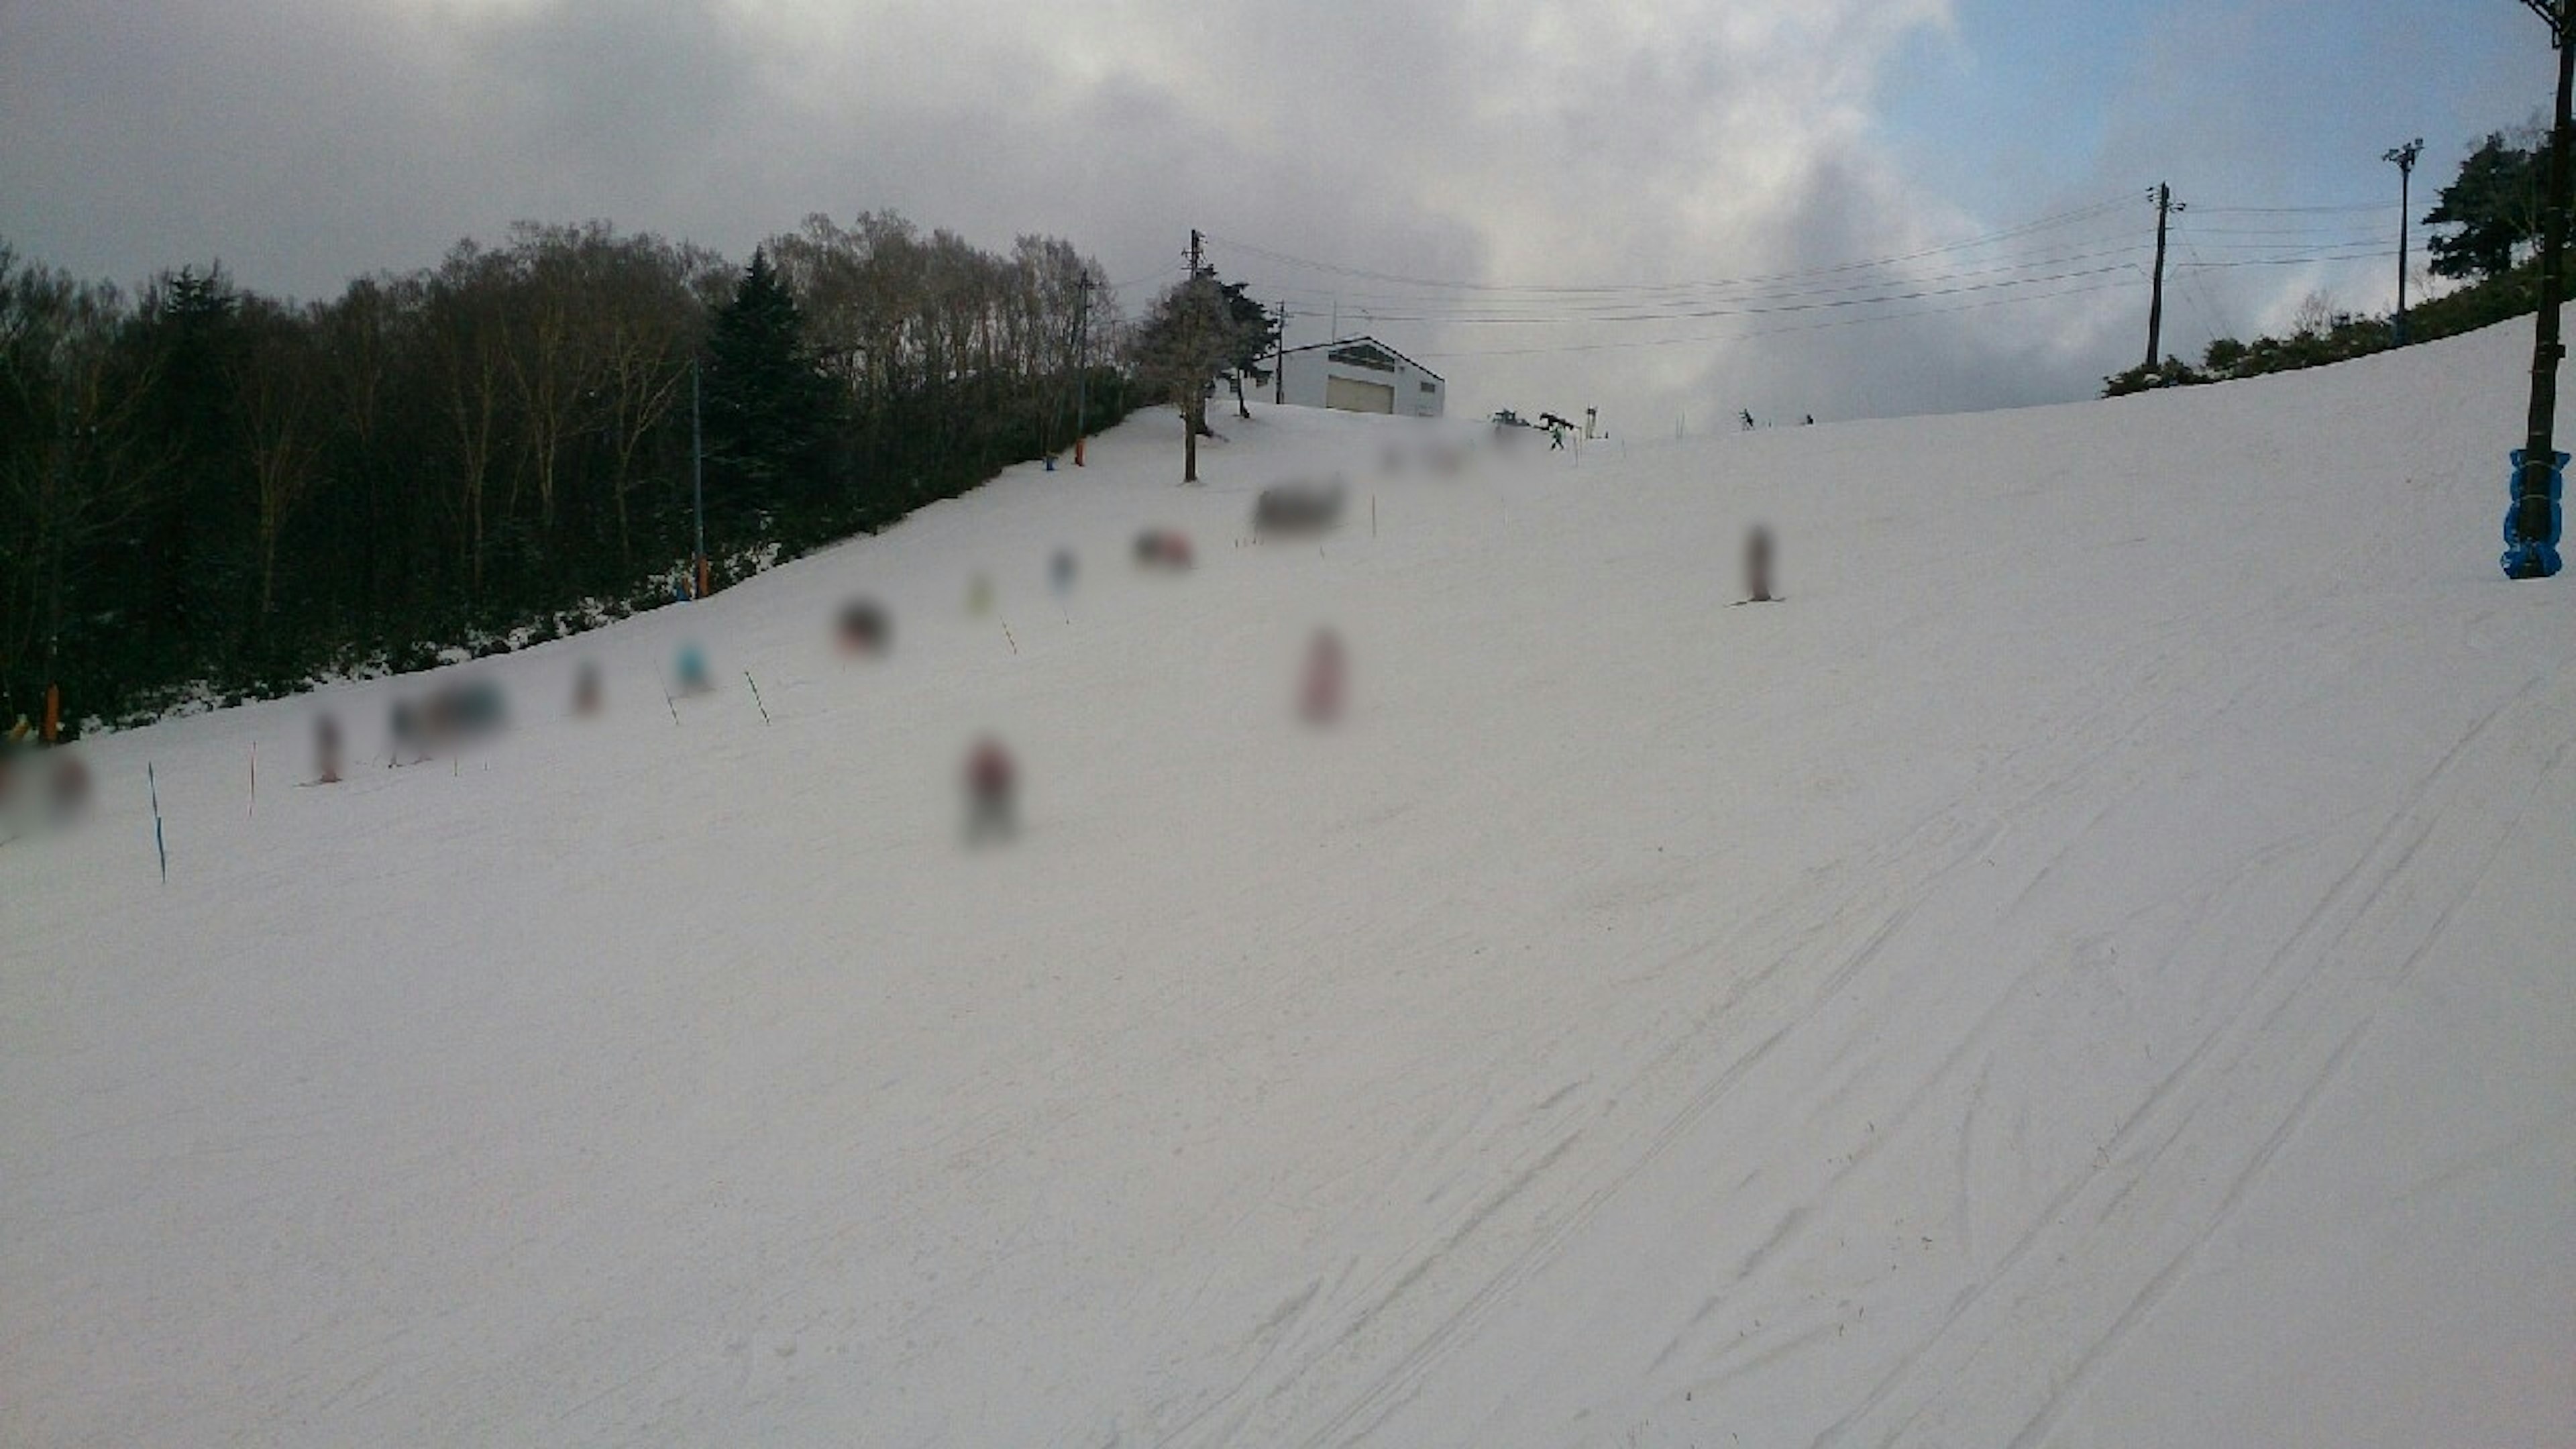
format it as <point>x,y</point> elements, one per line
<point>203,486</point>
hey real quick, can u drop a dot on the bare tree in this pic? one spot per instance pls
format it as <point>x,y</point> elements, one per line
<point>277,388</point>
<point>1182,344</point>
<point>76,460</point>
<point>651,325</point>
<point>470,357</point>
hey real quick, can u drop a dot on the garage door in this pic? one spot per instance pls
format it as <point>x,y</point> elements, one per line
<point>1353,396</point>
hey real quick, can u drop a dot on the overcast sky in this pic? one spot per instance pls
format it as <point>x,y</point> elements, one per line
<point>1517,163</point>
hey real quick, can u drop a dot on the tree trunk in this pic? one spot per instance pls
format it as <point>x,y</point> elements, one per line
<point>1190,436</point>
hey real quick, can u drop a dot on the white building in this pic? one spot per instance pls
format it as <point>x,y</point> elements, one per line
<point>1358,375</point>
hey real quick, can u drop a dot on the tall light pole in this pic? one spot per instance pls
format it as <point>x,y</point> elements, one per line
<point>2404,158</point>
<point>2531,532</point>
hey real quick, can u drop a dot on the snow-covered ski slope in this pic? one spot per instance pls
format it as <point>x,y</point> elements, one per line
<point>2092,967</point>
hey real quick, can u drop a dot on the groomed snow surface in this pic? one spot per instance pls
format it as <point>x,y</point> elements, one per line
<point>2092,967</point>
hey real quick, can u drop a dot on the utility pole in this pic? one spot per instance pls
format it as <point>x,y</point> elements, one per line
<point>1279,362</point>
<point>697,483</point>
<point>2165,206</point>
<point>1196,399</point>
<point>2404,157</point>
<point>1081,367</point>
<point>2531,543</point>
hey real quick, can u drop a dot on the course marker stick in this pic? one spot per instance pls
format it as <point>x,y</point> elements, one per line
<point>159,847</point>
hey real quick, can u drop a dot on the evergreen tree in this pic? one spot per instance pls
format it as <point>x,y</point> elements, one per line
<point>189,565</point>
<point>2495,204</point>
<point>768,408</point>
<point>1255,334</point>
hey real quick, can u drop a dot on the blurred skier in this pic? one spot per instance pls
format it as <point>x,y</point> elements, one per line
<point>691,666</point>
<point>1162,548</point>
<point>991,782</point>
<point>1319,698</point>
<point>1757,565</point>
<point>67,794</point>
<point>326,747</point>
<point>863,628</point>
<point>410,732</point>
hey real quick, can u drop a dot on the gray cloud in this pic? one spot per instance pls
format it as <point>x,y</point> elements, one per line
<point>1507,142</point>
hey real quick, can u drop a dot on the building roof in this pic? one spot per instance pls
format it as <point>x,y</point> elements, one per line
<point>1364,337</point>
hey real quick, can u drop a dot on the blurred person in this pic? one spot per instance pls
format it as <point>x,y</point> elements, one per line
<point>67,793</point>
<point>991,784</point>
<point>471,709</point>
<point>1060,571</point>
<point>1757,565</point>
<point>410,730</point>
<point>1319,696</point>
<point>862,628</point>
<point>326,748</point>
<point>691,667</point>
<point>979,596</point>
<point>586,689</point>
<point>1299,508</point>
<point>11,772</point>
<point>1162,548</point>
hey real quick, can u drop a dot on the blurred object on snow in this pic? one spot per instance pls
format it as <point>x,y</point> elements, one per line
<point>863,628</point>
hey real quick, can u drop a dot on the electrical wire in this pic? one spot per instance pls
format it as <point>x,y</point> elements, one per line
<point>1760,332</point>
<point>1680,309</point>
<point>2066,218</point>
<point>1703,313</point>
<point>1153,276</point>
<point>2292,236</point>
<point>2373,252</point>
<point>2294,210</point>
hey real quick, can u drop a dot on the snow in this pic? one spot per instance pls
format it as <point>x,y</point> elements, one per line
<point>2089,968</point>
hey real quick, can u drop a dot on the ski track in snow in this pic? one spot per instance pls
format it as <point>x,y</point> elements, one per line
<point>1903,1016</point>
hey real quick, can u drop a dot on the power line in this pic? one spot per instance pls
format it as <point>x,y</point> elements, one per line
<point>1859,321</point>
<point>1680,309</point>
<point>2271,236</point>
<point>2066,218</point>
<point>2376,251</point>
<point>2298,231</point>
<point>1166,270</point>
<point>2194,286</point>
<point>2297,210</point>
<point>2304,244</point>
<point>1703,313</point>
